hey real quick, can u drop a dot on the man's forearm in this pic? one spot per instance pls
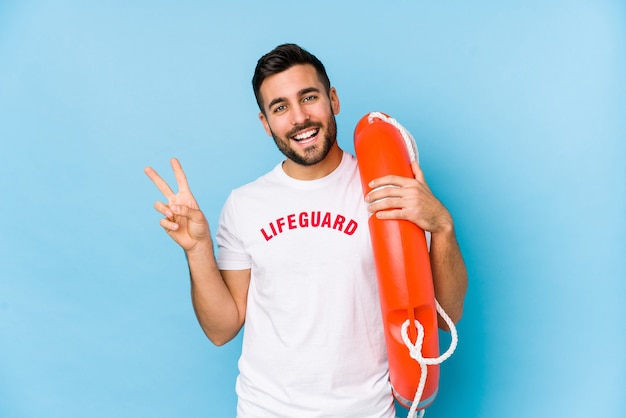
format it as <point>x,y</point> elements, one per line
<point>449,273</point>
<point>213,302</point>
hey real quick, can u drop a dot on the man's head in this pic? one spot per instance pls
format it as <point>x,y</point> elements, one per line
<point>298,108</point>
<point>280,59</point>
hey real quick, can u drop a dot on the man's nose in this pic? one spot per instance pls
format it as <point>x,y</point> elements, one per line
<point>299,115</point>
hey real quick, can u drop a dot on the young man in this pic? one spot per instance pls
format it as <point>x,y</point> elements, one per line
<point>294,258</point>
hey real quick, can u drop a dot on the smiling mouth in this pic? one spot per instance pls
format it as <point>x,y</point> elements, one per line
<point>307,136</point>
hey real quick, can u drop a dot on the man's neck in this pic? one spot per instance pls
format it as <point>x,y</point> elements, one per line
<point>316,171</point>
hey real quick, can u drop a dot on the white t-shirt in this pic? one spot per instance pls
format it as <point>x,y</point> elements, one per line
<point>313,343</point>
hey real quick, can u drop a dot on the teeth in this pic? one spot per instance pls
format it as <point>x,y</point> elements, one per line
<point>305,135</point>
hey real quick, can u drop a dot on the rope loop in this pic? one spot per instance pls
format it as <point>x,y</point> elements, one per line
<point>409,141</point>
<point>415,351</point>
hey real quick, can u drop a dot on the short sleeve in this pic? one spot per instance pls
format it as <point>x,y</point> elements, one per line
<point>231,254</point>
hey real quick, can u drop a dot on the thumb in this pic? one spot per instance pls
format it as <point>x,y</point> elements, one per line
<point>417,172</point>
<point>194,215</point>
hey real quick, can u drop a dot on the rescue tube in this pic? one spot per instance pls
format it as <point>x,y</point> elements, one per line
<point>403,268</point>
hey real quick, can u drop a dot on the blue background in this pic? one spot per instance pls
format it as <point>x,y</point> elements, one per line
<point>519,112</point>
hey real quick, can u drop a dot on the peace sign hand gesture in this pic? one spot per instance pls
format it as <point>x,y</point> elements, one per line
<point>184,221</point>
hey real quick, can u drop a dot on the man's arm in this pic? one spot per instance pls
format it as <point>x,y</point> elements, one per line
<point>219,297</point>
<point>449,274</point>
<point>411,199</point>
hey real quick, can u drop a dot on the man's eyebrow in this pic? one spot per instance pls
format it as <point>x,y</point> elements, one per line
<point>276,101</point>
<point>308,90</point>
<point>300,93</point>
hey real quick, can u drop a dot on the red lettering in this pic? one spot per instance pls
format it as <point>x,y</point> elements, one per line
<point>280,222</point>
<point>291,221</point>
<point>339,222</point>
<point>309,219</point>
<point>304,219</point>
<point>315,221</point>
<point>351,227</point>
<point>326,221</point>
<point>267,238</point>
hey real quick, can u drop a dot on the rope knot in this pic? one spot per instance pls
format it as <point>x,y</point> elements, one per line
<point>415,350</point>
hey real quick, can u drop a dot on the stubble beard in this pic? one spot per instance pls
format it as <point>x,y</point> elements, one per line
<point>315,153</point>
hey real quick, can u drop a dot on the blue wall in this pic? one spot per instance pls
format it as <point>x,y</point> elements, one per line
<point>519,111</point>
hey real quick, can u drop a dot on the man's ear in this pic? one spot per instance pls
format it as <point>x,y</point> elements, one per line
<point>334,100</point>
<point>266,125</point>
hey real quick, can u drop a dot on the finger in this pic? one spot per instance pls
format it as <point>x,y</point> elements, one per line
<point>390,180</point>
<point>391,214</point>
<point>164,209</point>
<point>194,215</point>
<point>181,179</point>
<point>419,174</point>
<point>385,204</point>
<point>383,192</point>
<point>159,182</point>
<point>168,225</point>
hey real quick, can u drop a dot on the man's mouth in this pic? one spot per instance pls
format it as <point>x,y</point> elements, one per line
<point>306,136</point>
<point>305,133</point>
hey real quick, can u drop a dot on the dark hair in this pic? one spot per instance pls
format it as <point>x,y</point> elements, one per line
<point>281,59</point>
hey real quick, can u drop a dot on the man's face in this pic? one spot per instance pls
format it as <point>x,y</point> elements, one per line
<point>299,114</point>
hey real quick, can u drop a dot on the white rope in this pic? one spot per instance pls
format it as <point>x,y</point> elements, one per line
<point>415,350</point>
<point>406,135</point>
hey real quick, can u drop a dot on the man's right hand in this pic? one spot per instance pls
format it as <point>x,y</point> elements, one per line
<point>183,221</point>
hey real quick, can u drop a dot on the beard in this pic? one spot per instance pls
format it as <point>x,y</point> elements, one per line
<point>315,153</point>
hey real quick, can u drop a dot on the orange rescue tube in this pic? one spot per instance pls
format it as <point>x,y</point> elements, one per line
<point>402,265</point>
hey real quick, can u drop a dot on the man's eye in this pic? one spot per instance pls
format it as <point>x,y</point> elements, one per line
<point>309,98</point>
<point>279,108</point>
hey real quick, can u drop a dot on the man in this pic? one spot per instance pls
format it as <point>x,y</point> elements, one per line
<point>294,258</point>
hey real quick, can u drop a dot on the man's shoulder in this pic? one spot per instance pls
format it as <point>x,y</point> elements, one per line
<point>263,181</point>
